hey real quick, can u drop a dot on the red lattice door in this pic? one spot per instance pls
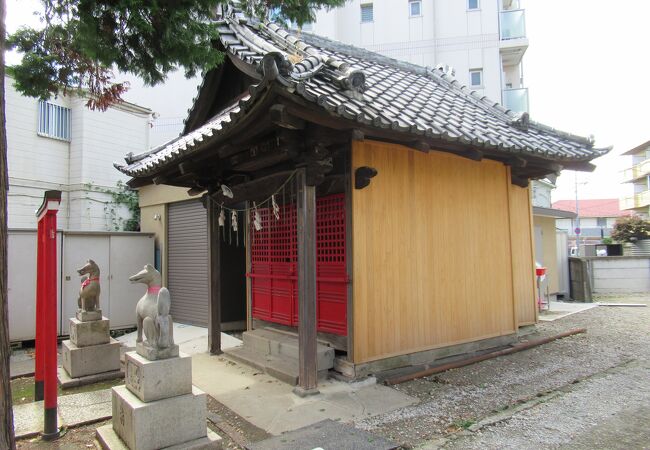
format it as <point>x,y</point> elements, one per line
<point>274,266</point>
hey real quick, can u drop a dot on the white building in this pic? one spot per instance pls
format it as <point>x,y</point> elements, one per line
<point>482,40</point>
<point>62,145</point>
<point>638,174</point>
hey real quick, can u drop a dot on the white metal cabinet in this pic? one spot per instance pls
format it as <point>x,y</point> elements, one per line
<point>118,255</point>
<point>21,286</point>
<point>77,249</point>
<point>128,255</point>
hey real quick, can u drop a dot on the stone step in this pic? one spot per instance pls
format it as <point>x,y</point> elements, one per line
<point>283,368</point>
<point>284,345</point>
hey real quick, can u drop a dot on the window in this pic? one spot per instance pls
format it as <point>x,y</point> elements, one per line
<point>53,120</point>
<point>415,8</point>
<point>366,13</point>
<point>476,78</point>
<point>601,221</point>
<point>472,4</point>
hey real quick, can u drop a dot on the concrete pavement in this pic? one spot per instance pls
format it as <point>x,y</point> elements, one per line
<point>271,405</point>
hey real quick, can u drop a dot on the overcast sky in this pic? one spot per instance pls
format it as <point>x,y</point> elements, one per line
<point>587,69</point>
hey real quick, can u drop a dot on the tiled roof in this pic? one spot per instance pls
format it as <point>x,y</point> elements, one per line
<point>604,207</point>
<point>372,90</point>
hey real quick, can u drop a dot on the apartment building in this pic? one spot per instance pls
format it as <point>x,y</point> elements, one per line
<point>639,176</point>
<point>60,144</point>
<point>482,41</point>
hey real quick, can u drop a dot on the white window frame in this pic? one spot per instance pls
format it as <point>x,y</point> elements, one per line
<point>53,121</point>
<point>419,2</point>
<point>480,72</point>
<point>478,5</point>
<point>372,12</point>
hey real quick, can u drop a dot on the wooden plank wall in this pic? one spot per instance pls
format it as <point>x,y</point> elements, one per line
<point>523,261</point>
<point>432,256</point>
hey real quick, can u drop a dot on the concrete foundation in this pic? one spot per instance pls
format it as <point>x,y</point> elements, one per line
<point>426,358</point>
<point>67,382</point>
<point>154,380</point>
<point>83,361</point>
<point>83,334</point>
<point>109,440</point>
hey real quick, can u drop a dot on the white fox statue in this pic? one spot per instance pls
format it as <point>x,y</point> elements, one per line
<point>152,313</point>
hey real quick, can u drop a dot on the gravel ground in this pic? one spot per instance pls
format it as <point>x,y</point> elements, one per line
<point>586,391</point>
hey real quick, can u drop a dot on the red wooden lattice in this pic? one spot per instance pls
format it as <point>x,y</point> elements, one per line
<point>274,266</point>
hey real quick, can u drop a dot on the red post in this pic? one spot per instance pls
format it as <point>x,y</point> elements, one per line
<point>46,310</point>
<point>38,372</point>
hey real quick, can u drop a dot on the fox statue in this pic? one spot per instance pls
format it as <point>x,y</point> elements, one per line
<point>152,311</point>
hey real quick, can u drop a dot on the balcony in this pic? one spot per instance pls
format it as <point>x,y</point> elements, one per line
<point>640,200</point>
<point>637,171</point>
<point>512,24</point>
<point>515,100</point>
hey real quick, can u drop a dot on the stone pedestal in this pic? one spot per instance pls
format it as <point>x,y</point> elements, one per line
<point>156,353</point>
<point>90,355</point>
<point>158,408</point>
<point>87,316</point>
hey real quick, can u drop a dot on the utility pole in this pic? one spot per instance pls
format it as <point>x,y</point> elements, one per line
<point>577,229</point>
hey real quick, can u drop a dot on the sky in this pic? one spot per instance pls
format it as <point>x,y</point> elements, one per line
<point>586,68</point>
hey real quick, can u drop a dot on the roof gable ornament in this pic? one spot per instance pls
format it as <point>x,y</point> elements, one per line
<point>275,66</point>
<point>522,121</point>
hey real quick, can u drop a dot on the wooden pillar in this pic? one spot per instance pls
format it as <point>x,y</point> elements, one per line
<point>248,239</point>
<point>214,278</point>
<point>306,210</point>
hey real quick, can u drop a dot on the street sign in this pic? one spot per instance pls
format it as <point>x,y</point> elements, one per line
<point>577,230</point>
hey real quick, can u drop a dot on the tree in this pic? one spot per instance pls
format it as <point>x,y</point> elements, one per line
<point>631,229</point>
<point>6,416</point>
<point>78,48</point>
<point>83,40</point>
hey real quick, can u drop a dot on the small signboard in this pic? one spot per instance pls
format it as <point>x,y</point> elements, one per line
<point>577,230</point>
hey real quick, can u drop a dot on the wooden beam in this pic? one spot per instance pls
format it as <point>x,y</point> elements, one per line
<point>582,166</point>
<point>474,155</point>
<point>281,117</point>
<point>518,180</point>
<point>421,146</point>
<point>249,286</point>
<point>357,135</point>
<point>349,255</point>
<point>307,344</point>
<point>160,179</point>
<point>214,275</point>
<point>254,189</point>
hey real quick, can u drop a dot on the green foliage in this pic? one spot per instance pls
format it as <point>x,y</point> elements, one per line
<point>82,41</point>
<point>631,229</point>
<point>122,195</point>
<point>607,240</point>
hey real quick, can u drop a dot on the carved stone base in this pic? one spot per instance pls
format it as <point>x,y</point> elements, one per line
<point>82,361</point>
<point>155,380</point>
<point>161,423</point>
<point>94,332</point>
<point>153,354</point>
<point>87,316</point>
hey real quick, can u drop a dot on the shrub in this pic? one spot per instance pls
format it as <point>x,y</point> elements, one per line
<point>631,229</point>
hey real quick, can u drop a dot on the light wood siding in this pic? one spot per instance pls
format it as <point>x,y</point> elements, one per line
<point>187,274</point>
<point>432,255</point>
<point>522,254</point>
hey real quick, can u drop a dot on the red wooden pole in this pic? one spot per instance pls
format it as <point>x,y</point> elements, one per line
<point>46,281</point>
<point>38,370</point>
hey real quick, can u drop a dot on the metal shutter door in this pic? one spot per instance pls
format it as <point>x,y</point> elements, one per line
<point>187,274</point>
